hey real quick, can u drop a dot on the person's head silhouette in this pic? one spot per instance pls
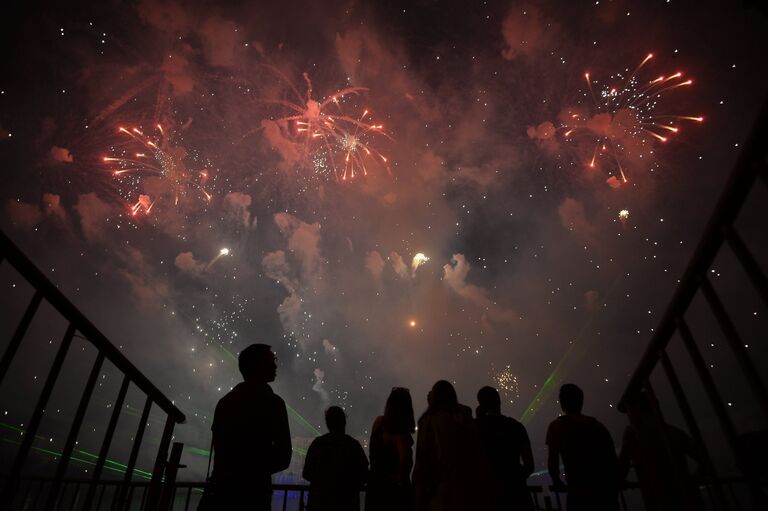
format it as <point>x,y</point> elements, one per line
<point>335,419</point>
<point>257,363</point>
<point>398,412</point>
<point>489,401</point>
<point>443,396</point>
<point>571,398</point>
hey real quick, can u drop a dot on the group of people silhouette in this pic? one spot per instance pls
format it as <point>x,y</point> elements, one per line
<point>461,462</point>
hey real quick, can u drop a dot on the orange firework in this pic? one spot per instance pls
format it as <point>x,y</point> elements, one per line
<point>156,167</point>
<point>624,123</point>
<point>328,133</point>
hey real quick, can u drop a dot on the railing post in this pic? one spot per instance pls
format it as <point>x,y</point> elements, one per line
<point>18,335</point>
<point>156,485</point>
<point>134,455</point>
<point>9,492</point>
<point>118,407</point>
<point>171,471</point>
<point>74,430</point>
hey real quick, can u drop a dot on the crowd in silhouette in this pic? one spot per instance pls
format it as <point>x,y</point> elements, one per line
<point>461,462</point>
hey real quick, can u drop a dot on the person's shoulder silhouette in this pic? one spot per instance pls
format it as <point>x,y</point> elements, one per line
<point>507,449</point>
<point>251,436</point>
<point>335,466</point>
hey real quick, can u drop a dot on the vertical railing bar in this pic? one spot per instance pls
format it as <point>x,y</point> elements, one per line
<point>155,487</point>
<point>63,495</point>
<point>74,430</point>
<point>748,261</point>
<point>37,497</point>
<point>622,500</point>
<point>129,497</point>
<point>97,469</point>
<point>144,498</point>
<point>137,439</point>
<point>101,496</point>
<point>693,427</point>
<point>37,417</point>
<point>26,494</point>
<point>189,497</point>
<point>736,344</point>
<point>18,335</point>
<point>171,471</point>
<point>733,497</point>
<point>285,498</point>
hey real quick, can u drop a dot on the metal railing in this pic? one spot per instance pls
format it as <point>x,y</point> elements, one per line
<point>720,231</point>
<point>11,496</point>
<point>184,496</point>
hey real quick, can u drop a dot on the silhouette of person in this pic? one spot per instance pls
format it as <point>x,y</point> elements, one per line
<point>251,439</point>
<point>588,454</point>
<point>451,472</point>
<point>658,451</point>
<point>391,452</point>
<point>336,467</point>
<point>507,449</point>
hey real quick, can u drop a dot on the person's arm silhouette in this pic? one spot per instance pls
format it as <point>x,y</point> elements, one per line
<point>526,455</point>
<point>281,438</point>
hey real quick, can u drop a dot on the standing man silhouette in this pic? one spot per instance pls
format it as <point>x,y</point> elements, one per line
<point>335,466</point>
<point>251,439</point>
<point>588,454</point>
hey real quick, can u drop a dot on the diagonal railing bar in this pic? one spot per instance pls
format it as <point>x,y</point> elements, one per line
<point>18,335</point>
<point>749,263</point>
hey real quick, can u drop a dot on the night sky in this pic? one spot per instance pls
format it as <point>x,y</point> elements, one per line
<point>280,164</point>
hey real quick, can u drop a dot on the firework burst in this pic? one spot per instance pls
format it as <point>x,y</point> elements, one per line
<point>506,382</point>
<point>336,143</point>
<point>157,167</point>
<point>624,122</point>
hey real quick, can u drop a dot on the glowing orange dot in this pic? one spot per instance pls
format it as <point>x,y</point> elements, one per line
<point>412,322</point>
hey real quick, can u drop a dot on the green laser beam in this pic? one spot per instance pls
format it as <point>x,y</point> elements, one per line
<point>108,465</point>
<point>292,412</point>
<point>558,374</point>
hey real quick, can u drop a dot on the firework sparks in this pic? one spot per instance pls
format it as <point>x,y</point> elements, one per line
<point>222,253</point>
<point>158,158</point>
<point>624,122</point>
<point>334,140</point>
<point>506,381</point>
<point>418,260</point>
<point>624,215</point>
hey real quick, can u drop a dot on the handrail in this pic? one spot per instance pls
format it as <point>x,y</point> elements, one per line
<point>10,252</point>
<point>751,161</point>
